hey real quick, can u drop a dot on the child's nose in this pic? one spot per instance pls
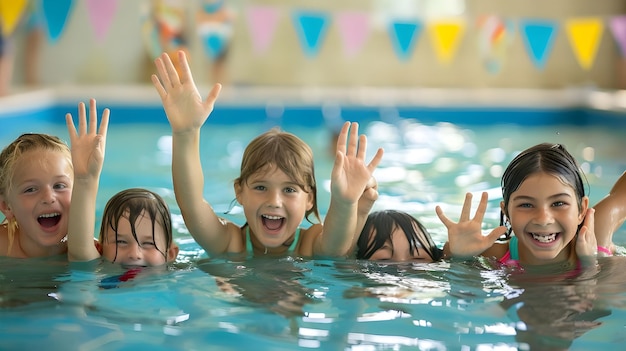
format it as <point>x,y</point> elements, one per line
<point>48,196</point>
<point>135,252</point>
<point>544,216</point>
<point>274,199</point>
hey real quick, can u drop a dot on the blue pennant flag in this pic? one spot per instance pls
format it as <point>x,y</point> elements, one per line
<point>311,28</point>
<point>55,13</point>
<point>403,36</point>
<point>538,37</point>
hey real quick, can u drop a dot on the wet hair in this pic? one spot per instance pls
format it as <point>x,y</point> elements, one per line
<point>549,158</point>
<point>287,152</point>
<point>11,156</point>
<point>131,204</point>
<point>383,223</point>
<point>12,153</point>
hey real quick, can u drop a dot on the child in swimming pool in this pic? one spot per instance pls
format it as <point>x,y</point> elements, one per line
<point>136,229</point>
<point>391,235</point>
<point>546,209</point>
<point>276,186</point>
<point>36,179</point>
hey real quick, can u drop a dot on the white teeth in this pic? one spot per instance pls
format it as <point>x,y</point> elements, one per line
<point>48,215</point>
<point>272,217</point>
<point>544,238</point>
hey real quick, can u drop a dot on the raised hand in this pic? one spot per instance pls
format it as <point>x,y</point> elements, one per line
<point>88,144</point>
<point>184,107</point>
<point>465,238</point>
<point>88,147</point>
<point>350,175</point>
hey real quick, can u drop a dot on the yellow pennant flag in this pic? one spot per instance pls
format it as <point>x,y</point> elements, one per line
<point>584,35</point>
<point>445,36</point>
<point>10,14</point>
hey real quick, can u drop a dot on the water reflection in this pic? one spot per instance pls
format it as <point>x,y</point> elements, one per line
<point>266,283</point>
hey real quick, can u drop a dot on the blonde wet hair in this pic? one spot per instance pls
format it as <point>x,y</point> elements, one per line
<point>10,158</point>
<point>287,152</point>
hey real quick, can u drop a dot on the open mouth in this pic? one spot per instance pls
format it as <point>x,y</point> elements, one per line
<point>545,238</point>
<point>49,220</point>
<point>272,222</point>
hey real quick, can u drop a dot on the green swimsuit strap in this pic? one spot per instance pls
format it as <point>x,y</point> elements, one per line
<point>513,248</point>
<point>295,237</point>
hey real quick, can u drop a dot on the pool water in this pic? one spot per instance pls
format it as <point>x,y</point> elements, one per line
<point>290,303</point>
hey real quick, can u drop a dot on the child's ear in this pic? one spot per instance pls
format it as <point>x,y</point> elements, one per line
<point>238,190</point>
<point>311,201</point>
<point>584,205</point>
<point>5,208</point>
<point>172,253</point>
<point>503,208</point>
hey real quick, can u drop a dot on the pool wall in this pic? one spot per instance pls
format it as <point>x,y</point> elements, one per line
<point>319,107</point>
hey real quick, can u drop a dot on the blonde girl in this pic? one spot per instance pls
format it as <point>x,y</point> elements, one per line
<point>36,179</point>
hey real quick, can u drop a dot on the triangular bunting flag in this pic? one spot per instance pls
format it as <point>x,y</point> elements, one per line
<point>584,35</point>
<point>403,36</point>
<point>55,13</point>
<point>311,28</point>
<point>261,23</point>
<point>101,13</point>
<point>495,36</point>
<point>538,37</point>
<point>354,30</point>
<point>10,13</point>
<point>618,28</point>
<point>445,37</point>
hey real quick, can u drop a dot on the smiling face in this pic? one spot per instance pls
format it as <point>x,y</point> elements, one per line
<point>274,205</point>
<point>544,214</point>
<point>39,200</point>
<point>149,249</point>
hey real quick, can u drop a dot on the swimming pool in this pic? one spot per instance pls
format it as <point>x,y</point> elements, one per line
<point>433,155</point>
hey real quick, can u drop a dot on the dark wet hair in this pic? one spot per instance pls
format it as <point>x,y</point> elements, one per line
<point>131,203</point>
<point>383,224</point>
<point>550,158</point>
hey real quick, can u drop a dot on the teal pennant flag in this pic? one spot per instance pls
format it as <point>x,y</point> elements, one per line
<point>311,28</point>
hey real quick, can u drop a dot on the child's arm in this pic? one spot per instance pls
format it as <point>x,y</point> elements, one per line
<point>465,238</point>
<point>349,178</point>
<point>88,148</point>
<point>366,202</point>
<point>610,214</point>
<point>187,112</point>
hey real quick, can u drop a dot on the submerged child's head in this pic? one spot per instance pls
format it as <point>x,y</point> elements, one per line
<point>544,198</point>
<point>396,236</point>
<point>277,186</point>
<point>136,229</point>
<point>36,178</point>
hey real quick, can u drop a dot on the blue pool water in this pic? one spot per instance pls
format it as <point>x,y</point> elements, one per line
<point>432,156</point>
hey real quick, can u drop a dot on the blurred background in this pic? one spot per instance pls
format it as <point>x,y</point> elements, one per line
<point>541,44</point>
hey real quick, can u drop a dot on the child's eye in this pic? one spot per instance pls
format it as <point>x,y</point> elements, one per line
<point>120,242</point>
<point>291,190</point>
<point>30,190</point>
<point>558,204</point>
<point>60,186</point>
<point>148,243</point>
<point>525,205</point>
<point>259,187</point>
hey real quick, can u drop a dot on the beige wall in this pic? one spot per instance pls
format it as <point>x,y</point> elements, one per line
<point>122,59</point>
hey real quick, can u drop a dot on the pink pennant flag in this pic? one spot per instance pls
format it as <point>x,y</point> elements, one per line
<point>262,23</point>
<point>618,28</point>
<point>101,13</point>
<point>353,29</point>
